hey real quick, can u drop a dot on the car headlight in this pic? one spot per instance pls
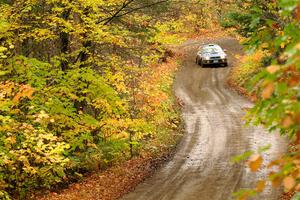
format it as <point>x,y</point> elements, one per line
<point>206,58</point>
<point>223,57</point>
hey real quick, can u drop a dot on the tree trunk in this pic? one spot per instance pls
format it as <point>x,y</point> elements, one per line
<point>64,40</point>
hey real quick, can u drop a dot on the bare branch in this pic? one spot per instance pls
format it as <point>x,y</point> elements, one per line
<point>119,14</point>
<point>109,19</point>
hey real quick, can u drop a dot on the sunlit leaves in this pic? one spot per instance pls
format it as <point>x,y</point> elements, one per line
<point>273,69</point>
<point>24,91</point>
<point>289,183</point>
<point>277,86</point>
<point>80,89</point>
<point>255,162</point>
<point>268,90</point>
<point>250,65</point>
<point>287,122</point>
<point>276,180</point>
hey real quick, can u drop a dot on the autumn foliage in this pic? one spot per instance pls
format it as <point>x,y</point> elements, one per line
<point>85,84</point>
<point>272,27</point>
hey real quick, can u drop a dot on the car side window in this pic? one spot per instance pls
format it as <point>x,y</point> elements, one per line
<point>205,50</point>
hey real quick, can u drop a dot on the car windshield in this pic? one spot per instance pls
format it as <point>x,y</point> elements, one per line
<point>211,50</point>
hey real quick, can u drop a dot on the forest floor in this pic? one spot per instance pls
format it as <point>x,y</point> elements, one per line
<point>112,183</point>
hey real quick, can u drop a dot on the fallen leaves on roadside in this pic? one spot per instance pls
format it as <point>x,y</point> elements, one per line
<point>112,183</point>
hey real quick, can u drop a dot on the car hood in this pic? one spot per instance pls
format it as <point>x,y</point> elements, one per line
<point>217,54</point>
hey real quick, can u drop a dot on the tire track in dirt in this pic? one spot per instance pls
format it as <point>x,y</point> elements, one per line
<point>215,132</point>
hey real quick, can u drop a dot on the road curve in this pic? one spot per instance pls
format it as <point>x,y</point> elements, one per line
<point>215,132</point>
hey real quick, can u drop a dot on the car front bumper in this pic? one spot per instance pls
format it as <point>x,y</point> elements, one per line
<point>215,61</point>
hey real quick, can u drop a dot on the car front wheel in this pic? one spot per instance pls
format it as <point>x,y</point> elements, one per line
<point>200,63</point>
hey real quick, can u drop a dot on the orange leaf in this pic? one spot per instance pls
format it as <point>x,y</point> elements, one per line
<point>294,81</point>
<point>244,197</point>
<point>296,162</point>
<point>260,186</point>
<point>297,118</point>
<point>24,91</point>
<point>275,163</point>
<point>276,182</point>
<point>268,91</point>
<point>275,26</point>
<point>287,122</point>
<point>255,162</point>
<point>298,137</point>
<point>298,187</point>
<point>273,69</point>
<point>289,183</point>
<point>297,13</point>
<point>17,97</point>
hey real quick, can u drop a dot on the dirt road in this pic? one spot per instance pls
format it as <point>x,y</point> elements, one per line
<point>215,132</point>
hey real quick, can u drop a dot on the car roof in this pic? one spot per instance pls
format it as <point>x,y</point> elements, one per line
<point>206,46</point>
<point>212,46</point>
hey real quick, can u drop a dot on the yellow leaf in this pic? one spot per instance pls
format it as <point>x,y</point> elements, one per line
<point>289,183</point>
<point>265,45</point>
<point>255,162</point>
<point>11,140</point>
<point>298,46</point>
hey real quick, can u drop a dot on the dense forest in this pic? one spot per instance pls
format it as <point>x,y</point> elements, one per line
<point>84,85</point>
<point>87,84</point>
